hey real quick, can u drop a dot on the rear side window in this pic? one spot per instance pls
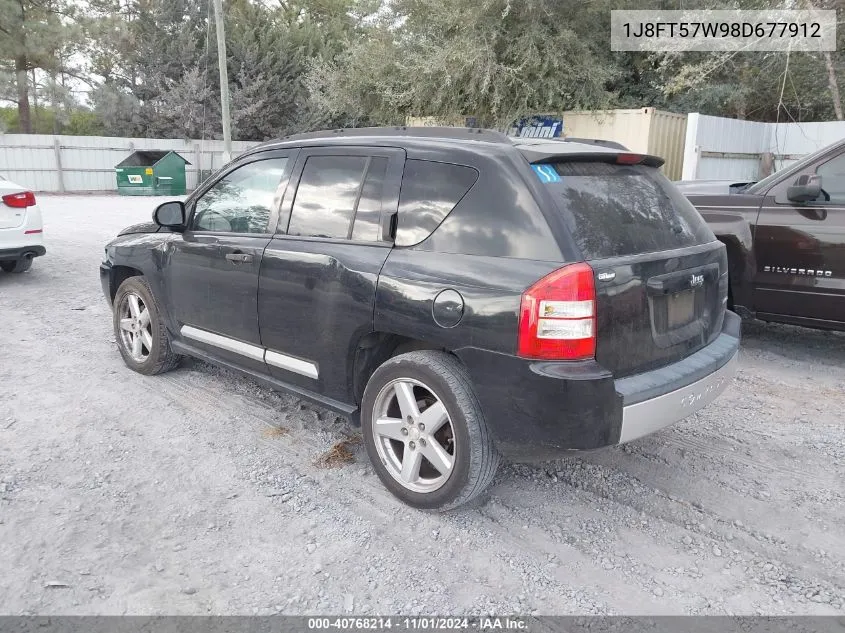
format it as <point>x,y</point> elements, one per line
<point>429,193</point>
<point>368,213</point>
<point>617,210</point>
<point>326,196</point>
<point>340,197</point>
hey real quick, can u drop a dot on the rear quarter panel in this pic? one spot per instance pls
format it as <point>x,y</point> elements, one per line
<point>533,408</point>
<point>490,287</point>
<point>493,245</point>
<point>500,216</point>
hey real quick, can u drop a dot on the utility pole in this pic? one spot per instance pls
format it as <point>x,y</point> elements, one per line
<point>224,80</point>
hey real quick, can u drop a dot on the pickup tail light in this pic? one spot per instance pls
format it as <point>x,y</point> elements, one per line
<point>19,200</point>
<point>557,316</point>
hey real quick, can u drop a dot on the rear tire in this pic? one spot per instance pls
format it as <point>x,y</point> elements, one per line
<point>440,467</point>
<point>139,329</point>
<point>16,265</point>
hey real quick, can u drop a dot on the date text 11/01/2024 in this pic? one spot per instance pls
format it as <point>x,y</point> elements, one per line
<point>420,623</point>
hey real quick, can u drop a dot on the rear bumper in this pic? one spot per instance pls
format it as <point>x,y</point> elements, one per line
<point>540,411</point>
<point>658,412</point>
<point>19,252</point>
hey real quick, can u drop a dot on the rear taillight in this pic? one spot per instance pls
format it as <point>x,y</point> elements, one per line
<point>19,200</point>
<point>557,317</point>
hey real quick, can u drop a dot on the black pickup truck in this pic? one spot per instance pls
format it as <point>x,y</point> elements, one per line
<point>785,237</point>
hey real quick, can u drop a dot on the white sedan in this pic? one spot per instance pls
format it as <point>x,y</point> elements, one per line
<point>21,229</point>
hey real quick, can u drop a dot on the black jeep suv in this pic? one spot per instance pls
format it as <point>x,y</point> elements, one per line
<point>463,294</point>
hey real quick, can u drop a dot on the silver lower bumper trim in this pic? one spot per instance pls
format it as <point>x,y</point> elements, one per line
<point>652,415</point>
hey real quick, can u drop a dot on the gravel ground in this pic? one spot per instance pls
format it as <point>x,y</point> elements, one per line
<point>196,492</point>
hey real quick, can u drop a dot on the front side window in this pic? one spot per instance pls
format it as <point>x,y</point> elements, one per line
<point>243,200</point>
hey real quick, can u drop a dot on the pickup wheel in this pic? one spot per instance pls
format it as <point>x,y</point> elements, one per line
<point>140,332</point>
<point>16,265</point>
<point>425,433</point>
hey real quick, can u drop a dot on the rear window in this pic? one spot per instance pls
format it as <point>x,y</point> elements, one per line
<point>430,191</point>
<point>617,210</point>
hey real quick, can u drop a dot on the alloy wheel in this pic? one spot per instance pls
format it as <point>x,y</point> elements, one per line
<point>136,333</point>
<point>413,435</point>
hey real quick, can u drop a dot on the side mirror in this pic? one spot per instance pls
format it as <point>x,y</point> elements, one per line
<point>807,187</point>
<point>170,215</point>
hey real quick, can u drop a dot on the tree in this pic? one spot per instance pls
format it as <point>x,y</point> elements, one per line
<point>764,86</point>
<point>152,58</point>
<point>34,35</point>
<point>499,59</point>
<point>266,64</point>
<point>830,67</point>
<point>270,52</point>
<point>492,59</point>
<point>159,76</point>
<point>296,65</point>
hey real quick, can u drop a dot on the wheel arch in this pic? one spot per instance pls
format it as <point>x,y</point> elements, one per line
<point>118,275</point>
<point>374,348</point>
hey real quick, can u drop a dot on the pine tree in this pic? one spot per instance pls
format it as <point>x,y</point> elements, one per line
<point>32,34</point>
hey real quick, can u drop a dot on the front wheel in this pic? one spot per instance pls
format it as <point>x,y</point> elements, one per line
<point>425,433</point>
<point>141,335</point>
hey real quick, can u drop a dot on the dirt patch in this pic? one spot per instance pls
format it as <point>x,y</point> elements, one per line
<point>275,431</point>
<point>339,454</point>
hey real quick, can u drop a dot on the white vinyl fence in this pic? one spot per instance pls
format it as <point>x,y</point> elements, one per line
<point>44,162</point>
<point>717,148</point>
<point>714,148</point>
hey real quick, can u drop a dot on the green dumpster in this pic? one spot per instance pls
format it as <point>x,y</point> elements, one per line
<point>151,173</point>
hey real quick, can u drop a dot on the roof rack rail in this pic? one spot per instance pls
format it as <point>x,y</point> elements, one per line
<point>462,133</point>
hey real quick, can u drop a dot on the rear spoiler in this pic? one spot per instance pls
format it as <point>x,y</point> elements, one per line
<point>620,158</point>
<point>595,141</point>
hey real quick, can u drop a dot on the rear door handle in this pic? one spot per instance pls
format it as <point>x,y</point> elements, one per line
<point>239,258</point>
